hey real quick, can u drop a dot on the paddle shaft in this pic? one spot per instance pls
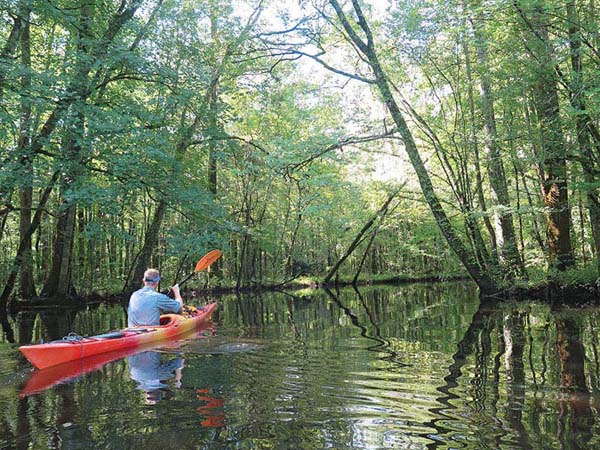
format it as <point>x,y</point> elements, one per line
<point>185,279</point>
<point>203,264</point>
<point>170,290</point>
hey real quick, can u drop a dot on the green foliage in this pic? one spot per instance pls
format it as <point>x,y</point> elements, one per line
<point>187,87</point>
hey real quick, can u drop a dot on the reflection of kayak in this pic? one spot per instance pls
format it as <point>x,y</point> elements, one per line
<point>59,352</point>
<point>50,376</point>
<point>212,411</point>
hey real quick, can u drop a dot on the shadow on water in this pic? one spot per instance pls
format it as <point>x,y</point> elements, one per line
<point>416,366</point>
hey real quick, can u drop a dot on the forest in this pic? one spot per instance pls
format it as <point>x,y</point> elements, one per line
<point>356,139</point>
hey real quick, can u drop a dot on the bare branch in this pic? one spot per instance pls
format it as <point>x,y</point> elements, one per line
<point>340,144</point>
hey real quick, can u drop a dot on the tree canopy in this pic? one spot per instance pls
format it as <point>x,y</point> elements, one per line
<point>142,133</point>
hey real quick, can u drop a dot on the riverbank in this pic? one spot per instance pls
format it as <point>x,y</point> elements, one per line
<point>191,293</point>
<point>566,289</point>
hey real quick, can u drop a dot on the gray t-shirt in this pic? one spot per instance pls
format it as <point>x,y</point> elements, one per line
<point>146,306</point>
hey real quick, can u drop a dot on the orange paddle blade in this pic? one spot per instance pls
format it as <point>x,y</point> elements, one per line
<point>207,260</point>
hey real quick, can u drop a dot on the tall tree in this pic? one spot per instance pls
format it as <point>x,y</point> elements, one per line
<point>187,137</point>
<point>89,50</point>
<point>553,167</point>
<point>366,48</point>
<point>505,231</point>
<point>585,128</point>
<point>26,283</point>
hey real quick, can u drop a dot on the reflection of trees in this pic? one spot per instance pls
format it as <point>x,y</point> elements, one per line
<point>30,420</point>
<point>7,329</point>
<point>511,368</point>
<point>23,428</point>
<point>514,347</point>
<point>56,322</point>
<point>382,344</point>
<point>328,371</point>
<point>575,413</point>
<point>481,321</point>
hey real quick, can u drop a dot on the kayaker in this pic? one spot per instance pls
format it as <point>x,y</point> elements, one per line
<point>146,305</point>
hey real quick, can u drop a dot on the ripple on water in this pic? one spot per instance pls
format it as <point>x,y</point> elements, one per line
<point>397,381</point>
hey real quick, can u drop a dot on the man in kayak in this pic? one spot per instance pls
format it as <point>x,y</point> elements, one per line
<point>146,305</point>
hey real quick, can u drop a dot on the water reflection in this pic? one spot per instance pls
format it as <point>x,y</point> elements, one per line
<point>403,367</point>
<point>212,410</point>
<point>151,371</point>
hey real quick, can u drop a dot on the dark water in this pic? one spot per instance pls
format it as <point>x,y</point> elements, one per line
<point>404,367</point>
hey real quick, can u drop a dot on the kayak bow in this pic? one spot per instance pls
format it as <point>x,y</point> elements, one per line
<point>59,352</point>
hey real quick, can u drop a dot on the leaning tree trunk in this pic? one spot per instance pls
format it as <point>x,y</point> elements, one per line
<point>467,258</point>
<point>359,237</point>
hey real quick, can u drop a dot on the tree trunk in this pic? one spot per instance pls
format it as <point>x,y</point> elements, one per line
<point>213,111</point>
<point>483,280</point>
<point>10,46</point>
<point>58,283</point>
<point>80,88</point>
<point>582,122</point>
<point>150,242</point>
<point>359,237</point>
<point>12,276</point>
<point>8,50</point>
<point>505,230</point>
<point>475,147</point>
<point>554,167</point>
<point>213,99</point>
<point>368,250</point>
<point>26,283</point>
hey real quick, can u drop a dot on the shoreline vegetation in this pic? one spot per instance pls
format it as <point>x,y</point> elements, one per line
<point>576,292</point>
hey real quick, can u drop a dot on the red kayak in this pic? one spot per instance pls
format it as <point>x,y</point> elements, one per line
<point>43,379</point>
<point>60,352</point>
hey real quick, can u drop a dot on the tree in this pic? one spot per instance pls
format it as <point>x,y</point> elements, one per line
<point>506,238</point>
<point>366,47</point>
<point>553,166</point>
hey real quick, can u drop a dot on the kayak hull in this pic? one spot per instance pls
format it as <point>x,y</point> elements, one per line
<point>172,325</point>
<point>42,379</point>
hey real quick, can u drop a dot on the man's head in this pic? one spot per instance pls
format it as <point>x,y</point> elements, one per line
<point>151,277</point>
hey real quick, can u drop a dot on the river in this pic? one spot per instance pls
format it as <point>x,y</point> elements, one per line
<point>412,366</point>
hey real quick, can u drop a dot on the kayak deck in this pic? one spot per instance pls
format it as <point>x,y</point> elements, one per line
<point>75,348</point>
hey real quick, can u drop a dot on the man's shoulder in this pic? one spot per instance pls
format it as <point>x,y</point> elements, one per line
<point>146,293</point>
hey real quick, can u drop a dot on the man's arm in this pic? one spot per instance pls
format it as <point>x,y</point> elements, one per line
<point>177,294</point>
<point>168,304</point>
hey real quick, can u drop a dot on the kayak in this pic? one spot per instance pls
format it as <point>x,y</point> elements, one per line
<point>43,379</point>
<point>74,348</point>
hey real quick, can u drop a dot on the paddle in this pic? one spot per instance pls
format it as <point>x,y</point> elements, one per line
<point>204,262</point>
